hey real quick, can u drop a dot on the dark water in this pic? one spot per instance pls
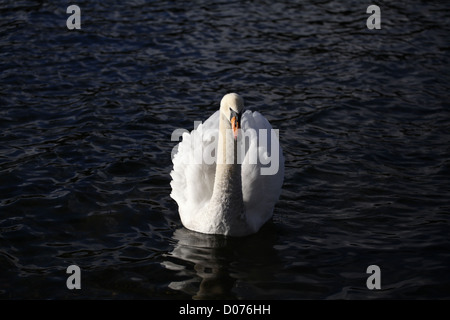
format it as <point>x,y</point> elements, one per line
<point>87,115</point>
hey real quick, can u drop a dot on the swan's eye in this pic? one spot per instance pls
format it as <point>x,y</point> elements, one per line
<point>235,115</point>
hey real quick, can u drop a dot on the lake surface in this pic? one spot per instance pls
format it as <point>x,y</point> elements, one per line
<point>86,118</point>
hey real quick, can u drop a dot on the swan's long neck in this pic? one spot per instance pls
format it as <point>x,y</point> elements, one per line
<point>227,204</point>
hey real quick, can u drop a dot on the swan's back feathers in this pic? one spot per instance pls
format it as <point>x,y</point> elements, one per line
<point>193,180</point>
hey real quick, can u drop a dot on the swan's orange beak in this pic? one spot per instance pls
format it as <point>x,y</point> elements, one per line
<point>235,127</point>
<point>235,123</point>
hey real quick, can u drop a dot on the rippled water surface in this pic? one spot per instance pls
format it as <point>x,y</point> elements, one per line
<point>86,118</point>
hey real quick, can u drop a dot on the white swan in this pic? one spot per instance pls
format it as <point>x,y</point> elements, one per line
<point>227,174</point>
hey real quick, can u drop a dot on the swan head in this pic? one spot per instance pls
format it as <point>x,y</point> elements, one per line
<point>232,106</point>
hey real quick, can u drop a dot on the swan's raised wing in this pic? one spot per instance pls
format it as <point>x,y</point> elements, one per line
<point>193,177</point>
<point>262,168</point>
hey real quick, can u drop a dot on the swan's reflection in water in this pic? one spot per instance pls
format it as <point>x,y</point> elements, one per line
<point>219,267</point>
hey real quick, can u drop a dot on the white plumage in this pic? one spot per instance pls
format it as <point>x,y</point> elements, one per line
<point>226,185</point>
